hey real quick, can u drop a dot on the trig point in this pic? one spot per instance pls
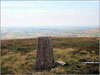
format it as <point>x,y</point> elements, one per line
<point>44,58</point>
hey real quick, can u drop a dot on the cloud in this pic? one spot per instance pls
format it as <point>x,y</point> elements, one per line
<point>24,4</point>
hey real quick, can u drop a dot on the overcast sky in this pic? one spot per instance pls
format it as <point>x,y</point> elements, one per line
<point>49,13</point>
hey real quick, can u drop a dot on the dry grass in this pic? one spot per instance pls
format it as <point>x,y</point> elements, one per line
<point>18,56</point>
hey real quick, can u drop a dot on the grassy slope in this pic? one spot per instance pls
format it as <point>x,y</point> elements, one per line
<point>18,55</point>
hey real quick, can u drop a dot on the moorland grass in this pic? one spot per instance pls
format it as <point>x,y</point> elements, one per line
<point>19,55</point>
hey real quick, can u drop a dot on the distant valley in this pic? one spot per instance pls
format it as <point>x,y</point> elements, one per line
<point>32,32</point>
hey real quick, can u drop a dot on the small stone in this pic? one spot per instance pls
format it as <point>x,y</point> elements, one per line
<point>60,63</point>
<point>53,69</point>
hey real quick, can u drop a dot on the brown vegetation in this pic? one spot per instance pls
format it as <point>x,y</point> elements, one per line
<point>18,55</point>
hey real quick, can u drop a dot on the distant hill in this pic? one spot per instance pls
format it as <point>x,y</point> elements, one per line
<point>13,33</point>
